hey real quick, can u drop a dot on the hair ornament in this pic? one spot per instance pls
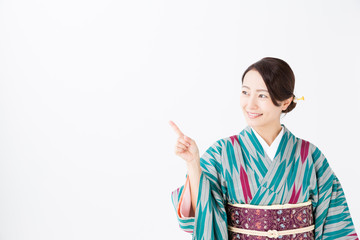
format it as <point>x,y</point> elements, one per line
<point>297,99</point>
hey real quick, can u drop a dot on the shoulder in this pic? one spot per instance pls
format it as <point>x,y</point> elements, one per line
<point>313,151</point>
<point>219,146</point>
<point>308,147</point>
<point>225,142</point>
<point>315,155</point>
<point>214,150</point>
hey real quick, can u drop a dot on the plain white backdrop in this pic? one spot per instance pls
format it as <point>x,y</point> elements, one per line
<point>87,89</point>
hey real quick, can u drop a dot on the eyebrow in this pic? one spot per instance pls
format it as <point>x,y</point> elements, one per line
<point>258,90</point>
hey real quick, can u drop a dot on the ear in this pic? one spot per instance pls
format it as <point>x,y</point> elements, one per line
<point>286,103</point>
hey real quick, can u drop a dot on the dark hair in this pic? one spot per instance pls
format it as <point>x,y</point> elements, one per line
<point>278,77</point>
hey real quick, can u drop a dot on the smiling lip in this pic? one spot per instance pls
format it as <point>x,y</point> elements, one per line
<point>253,115</point>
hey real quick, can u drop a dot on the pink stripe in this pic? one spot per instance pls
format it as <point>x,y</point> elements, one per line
<point>245,185</point>
<point>234,139</point>
<point>304,150</point>
<point>295,196</point>
<point>353,235</point>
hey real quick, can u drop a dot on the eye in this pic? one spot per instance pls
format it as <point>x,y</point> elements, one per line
<point>264,96</point>
<point>244,92</point>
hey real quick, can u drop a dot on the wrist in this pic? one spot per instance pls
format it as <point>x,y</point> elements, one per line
<point>193,165</point>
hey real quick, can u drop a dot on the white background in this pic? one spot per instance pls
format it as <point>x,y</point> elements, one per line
<point>87,89</point>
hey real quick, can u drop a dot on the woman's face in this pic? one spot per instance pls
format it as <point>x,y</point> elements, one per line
<point>256,104</point>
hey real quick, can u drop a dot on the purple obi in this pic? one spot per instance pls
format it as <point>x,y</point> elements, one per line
<point>287,221</point>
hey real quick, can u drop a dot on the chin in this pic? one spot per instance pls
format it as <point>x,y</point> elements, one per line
<point>254,123</point>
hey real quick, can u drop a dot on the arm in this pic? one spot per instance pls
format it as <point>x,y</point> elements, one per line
<point>209,220</point>
<point>331,211</point>
<point>194,172</point>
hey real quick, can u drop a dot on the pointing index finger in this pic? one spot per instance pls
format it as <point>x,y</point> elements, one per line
<point>176,129</point>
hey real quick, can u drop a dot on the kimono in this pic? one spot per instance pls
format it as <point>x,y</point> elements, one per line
<point>237,170</point>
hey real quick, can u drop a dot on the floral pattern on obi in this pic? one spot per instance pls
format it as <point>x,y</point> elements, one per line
<point>270,219</point>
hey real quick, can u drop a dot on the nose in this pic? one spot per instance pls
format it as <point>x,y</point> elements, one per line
<point>252,103</point>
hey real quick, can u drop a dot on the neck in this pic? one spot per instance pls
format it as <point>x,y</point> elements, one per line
<point>268,133</point>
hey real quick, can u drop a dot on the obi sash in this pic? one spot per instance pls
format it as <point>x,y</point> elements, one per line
<point>286,221</point>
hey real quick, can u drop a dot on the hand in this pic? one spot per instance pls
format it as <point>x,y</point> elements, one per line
<point>185,147</point>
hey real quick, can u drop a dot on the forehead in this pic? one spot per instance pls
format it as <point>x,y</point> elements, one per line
<point>254,80</point>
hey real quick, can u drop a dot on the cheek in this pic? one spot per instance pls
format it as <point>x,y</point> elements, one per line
<point>242,101</point>
<point>273,110</point>
<point>267,106</point>
<point>264,103</point>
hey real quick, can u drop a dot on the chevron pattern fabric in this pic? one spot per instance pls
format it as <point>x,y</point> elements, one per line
<point>236,169</point>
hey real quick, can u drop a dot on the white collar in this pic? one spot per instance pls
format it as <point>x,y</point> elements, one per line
<point>270,150</point>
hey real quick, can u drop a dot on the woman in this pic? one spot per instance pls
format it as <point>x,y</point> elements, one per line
<point>229,189</point>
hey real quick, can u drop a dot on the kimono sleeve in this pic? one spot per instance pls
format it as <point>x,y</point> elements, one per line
<point>331,211</point>
<point>209,220</point>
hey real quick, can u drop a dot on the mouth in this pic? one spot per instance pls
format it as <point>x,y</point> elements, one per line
<point>253,115</point>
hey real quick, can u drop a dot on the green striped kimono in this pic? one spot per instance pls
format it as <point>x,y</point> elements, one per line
<point>236,169</point>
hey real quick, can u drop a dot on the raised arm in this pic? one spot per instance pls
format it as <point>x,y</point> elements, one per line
<point>187,149</point>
